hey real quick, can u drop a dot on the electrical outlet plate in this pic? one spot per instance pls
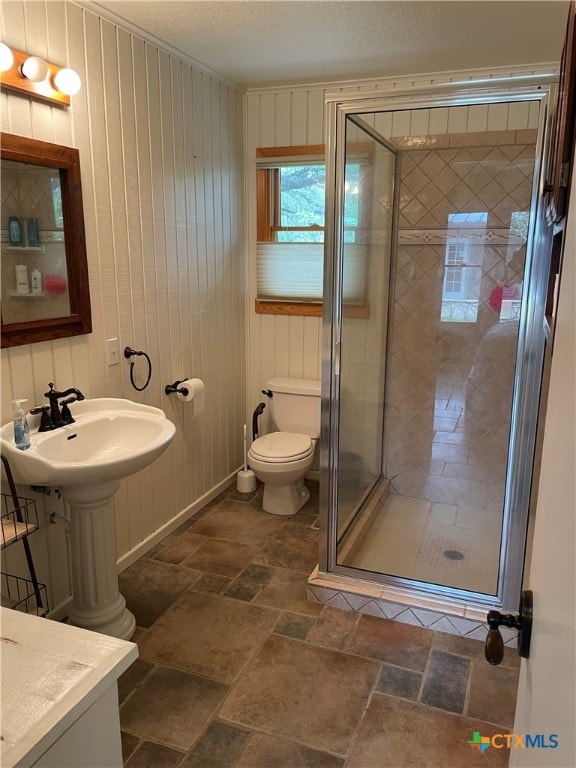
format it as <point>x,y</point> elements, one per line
<point>113,351</point>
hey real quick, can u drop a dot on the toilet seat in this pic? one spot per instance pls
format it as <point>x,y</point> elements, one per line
<point>282,447</point>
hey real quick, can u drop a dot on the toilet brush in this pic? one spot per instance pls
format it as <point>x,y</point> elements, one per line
<point>246,479</point>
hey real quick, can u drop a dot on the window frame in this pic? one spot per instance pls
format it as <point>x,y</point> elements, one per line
<point>268,190</point>
<point>268,213</point>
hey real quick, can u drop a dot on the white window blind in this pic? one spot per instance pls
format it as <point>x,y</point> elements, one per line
<point>294,272</point>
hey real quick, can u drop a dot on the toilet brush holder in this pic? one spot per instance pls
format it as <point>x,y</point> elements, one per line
<point>246,481</point>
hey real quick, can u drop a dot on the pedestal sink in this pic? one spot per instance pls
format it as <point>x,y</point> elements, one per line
<point>110,439</point>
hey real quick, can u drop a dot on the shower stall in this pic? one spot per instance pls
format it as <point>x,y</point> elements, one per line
<point>435,286</point>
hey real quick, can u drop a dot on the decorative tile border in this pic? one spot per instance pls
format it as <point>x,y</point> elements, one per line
<point>469,139</point>
<point>476,236</point>
<point>400,605</point>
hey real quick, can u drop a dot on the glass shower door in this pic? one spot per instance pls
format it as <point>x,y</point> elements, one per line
<point>367,238</point>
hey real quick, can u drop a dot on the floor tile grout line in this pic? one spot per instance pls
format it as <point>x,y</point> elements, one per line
<point>151,740</point>
<point>424,677</point>
<point>361,719</point>
<point>260,732</point>
<point>135,688</point>
<point>468,691</point>
<point>449,712</point>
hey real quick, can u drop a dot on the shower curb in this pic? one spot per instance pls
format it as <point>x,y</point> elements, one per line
<point>438,614</point>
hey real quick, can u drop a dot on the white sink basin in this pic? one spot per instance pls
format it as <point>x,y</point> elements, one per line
<point>110,439</point>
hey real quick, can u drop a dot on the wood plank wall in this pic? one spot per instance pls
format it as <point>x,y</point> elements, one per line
<point>161,149</point>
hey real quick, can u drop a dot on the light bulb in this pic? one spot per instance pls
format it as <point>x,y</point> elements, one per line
<point>35,69</point>
<point>67,81</point>
<point>6,58</point>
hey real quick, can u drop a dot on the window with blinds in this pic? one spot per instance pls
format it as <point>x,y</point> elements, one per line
<point>294,272</point>
<point>290,228</point>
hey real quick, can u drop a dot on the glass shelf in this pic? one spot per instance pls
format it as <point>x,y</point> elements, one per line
<point>16,295</point>
<point>22,248</point>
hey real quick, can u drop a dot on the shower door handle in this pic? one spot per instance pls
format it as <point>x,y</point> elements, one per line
<point>494,648</point>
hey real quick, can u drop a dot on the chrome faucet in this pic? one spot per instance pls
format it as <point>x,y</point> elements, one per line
<point>58,418</point>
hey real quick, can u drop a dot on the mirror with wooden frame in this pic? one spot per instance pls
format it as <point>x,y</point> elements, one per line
<point>45,291</point>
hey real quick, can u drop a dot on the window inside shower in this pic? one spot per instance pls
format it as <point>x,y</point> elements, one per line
<point>427,381</point>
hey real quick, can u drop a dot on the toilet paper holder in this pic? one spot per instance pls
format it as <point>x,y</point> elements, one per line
<point>176,388</point>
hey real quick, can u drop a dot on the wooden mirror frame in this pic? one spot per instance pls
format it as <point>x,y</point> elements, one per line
<point>67,161</point>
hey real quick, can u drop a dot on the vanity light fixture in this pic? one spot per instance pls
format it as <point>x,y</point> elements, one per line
<point>36,77</point>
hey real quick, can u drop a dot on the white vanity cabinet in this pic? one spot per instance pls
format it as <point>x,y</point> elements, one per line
<point>59,694</point>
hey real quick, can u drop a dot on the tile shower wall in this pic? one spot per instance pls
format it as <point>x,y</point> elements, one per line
<point>449,399</point>
<point>160,147</point>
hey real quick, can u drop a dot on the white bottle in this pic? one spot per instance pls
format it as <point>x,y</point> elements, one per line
<point>36,280</point>
<point>22,278</point>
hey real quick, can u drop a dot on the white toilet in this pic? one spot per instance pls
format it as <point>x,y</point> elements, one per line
<point>281,459</point>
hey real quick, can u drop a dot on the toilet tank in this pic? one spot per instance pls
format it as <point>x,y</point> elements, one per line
<point>295,405</point>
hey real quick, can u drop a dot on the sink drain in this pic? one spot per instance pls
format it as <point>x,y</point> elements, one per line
<point>453,554</point>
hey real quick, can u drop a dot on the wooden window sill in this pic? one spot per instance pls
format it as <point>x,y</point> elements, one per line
<point>307,308</point>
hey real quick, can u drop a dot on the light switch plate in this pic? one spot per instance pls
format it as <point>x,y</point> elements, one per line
<point>113,351</point>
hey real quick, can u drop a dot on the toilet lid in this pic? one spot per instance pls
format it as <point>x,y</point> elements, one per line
<point>282,446</point>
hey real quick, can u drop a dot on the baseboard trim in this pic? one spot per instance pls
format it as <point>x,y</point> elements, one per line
<point>126,560</point>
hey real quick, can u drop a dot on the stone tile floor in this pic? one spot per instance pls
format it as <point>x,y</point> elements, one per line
<point>238,670</point>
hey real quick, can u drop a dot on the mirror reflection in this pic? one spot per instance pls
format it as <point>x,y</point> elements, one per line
<point>44,269</point>
<point>34,273</point>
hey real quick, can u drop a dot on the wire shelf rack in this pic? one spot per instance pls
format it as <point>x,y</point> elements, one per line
<point>23,595</point>
<point>19,517</point>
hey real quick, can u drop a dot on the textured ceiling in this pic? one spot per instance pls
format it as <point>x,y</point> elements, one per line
<point>271,43</point>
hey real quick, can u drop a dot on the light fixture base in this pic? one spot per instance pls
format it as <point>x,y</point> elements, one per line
<point>13,80</point>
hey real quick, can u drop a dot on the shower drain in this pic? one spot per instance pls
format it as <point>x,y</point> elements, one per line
<point>453,554</point>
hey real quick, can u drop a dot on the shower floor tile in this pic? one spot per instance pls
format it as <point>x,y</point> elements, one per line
<point>411,538</point>
<point>243,672</point>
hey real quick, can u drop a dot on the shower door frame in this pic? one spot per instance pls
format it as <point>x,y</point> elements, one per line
<point>531,335</point>
<point>373,134</point>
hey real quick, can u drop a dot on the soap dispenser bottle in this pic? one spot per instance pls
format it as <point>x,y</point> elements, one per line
<point>21,429</point>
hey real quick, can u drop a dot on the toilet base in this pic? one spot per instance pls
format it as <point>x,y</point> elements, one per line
<point>285,499</point>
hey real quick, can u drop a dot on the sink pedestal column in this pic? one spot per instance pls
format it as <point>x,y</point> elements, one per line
<point>96,602</point>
